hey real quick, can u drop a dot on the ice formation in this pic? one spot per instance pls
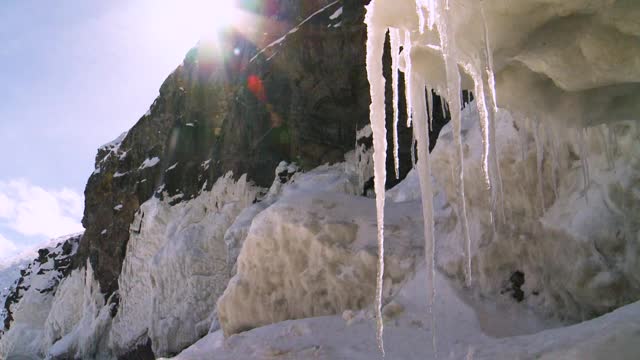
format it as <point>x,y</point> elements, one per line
<point>312,253</point>
<point>176,268</point>
<point>529,57</point>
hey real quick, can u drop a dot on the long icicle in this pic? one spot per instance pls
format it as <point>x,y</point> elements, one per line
<point>406,52</point>
<point>489,87</point>
<point>375,47</point>
<point>424,170</point>
<point>539,142</point>
<point>453,94</point>
<point>394,36</point>
<point>553,150</point>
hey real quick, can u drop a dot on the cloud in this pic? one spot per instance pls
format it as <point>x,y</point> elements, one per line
<point>7,248</point>
<point>32,210</point>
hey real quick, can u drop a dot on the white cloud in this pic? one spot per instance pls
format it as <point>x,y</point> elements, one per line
<point>32,210</point>
<point>7,248</point>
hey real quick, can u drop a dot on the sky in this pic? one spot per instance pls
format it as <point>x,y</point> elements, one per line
<point>74,75</point>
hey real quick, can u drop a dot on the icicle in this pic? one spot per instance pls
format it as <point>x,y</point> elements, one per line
<point>582,146</point>
<point>406,51</point>
<point>483,113</point>
<point>554,159</point>
<point>431,6</point>
<point>539,157</point>
<point>375,47</point>
<point>421,21</point>
<point>602,131</point>
<point>394,36</point>
<point>424,170</point>
<point>454,92</point>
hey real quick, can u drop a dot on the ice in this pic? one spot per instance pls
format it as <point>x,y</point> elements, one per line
<point>394,35</point>
<point>424,171</point>
<point>375,47</point>
<point>406,52</point>
<point>175,267</point>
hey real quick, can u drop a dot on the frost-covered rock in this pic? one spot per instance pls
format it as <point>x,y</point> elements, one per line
<point>569,231</point>
<point>176,268</point>
<point>79,321</point>
<point>313,253</point>
<point>30,299</point>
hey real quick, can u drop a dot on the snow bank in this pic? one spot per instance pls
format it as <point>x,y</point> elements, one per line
<point>459,333</point>
<point>176,268</point>
<point>313,253</point>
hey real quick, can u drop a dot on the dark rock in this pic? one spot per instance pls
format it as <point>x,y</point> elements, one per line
<point>141,352</point>
<point>514,287</point>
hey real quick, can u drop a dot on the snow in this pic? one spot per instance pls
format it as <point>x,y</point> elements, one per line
<point>317,220</point>
<point>175,268</point>
<point>464,333</point>
<point>336,14</point>
<point>114,144</point>
<point>112,148</point>
<point>147,163</point>
<point>79,320</point>
<point>171,167</point>
<point>36,296</point>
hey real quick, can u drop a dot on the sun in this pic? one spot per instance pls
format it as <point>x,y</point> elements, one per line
<point>213,16</point>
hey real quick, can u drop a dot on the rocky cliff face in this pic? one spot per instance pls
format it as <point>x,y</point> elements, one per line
<point>236,106</point>
<point>231,107</point>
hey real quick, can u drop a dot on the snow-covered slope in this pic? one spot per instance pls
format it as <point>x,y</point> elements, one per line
<point>176,268</point>
<point>30,298</point>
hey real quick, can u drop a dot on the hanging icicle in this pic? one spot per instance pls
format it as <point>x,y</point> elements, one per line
<point>453,96</point>
<point>424,171</point>
<point>375,48</point>
<point>406,52</point>
<point>394,36</point>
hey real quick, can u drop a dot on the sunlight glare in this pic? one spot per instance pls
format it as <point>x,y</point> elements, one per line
<point>213,16</point>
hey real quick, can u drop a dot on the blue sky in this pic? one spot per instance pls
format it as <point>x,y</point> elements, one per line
<point>75,74</point>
